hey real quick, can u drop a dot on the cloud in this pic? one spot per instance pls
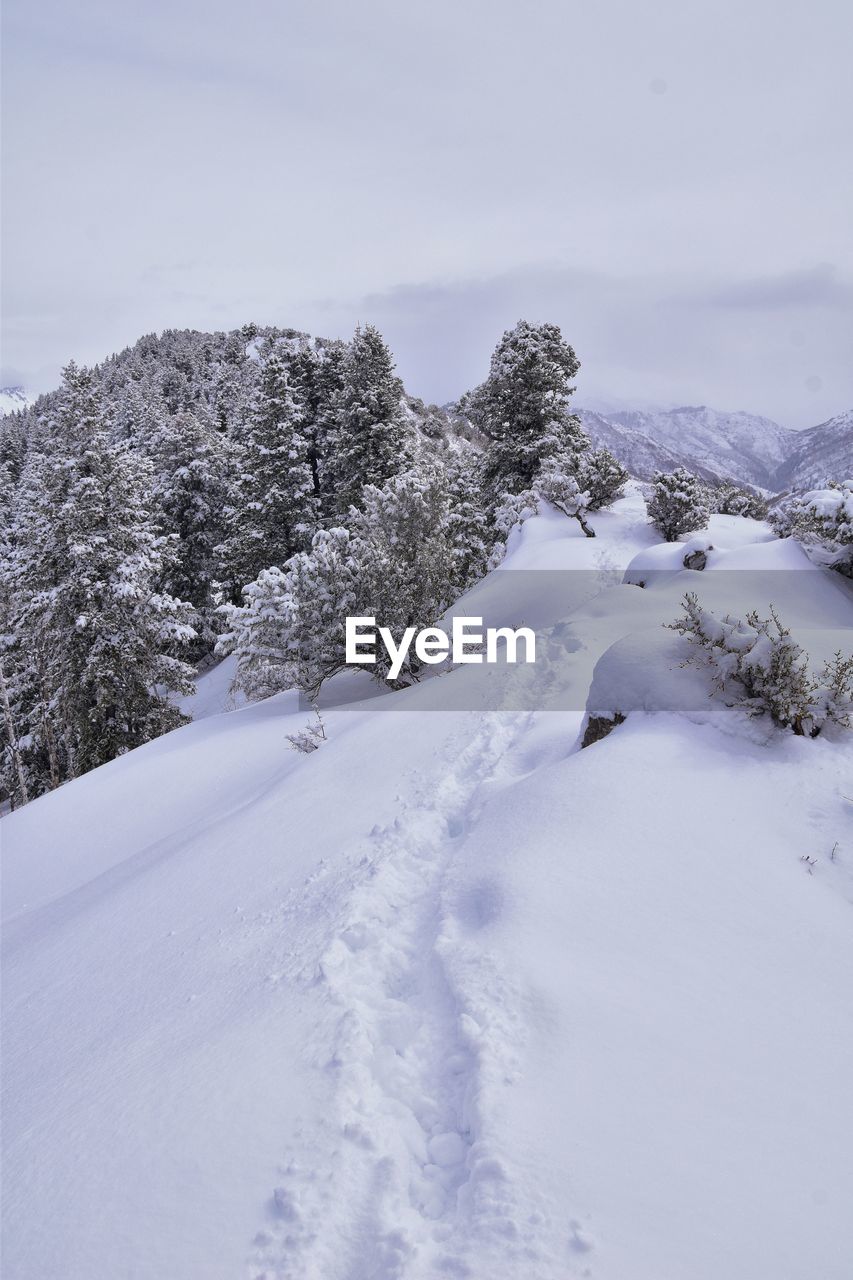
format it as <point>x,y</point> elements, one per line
<point>651,339</point>
<point>820,286</point>
<point>206,164</point>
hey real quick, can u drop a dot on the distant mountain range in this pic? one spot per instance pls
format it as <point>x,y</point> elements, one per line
<point>742,447</point>
<point>12,398</point>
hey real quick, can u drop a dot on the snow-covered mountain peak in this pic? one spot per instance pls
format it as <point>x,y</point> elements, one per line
<point>716,444</point>
<point>14,398</point>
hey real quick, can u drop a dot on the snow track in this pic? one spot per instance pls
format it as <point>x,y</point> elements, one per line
<point>558,1014</point>
<point>422,1040</point>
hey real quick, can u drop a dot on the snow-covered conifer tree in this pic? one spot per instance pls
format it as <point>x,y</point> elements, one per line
<point>600,475</point>
<point>677,504</point>
<point>404,555</point>
<point>273,511</point>
<point>730,500</point>
<point>369,435</point>
<point>395,563</point>
<point>97,634</point>
<point>522,407</point>
<point>192,464</point>
<point>471,533</point>
<point>289,631</point>
<point>317,371</point>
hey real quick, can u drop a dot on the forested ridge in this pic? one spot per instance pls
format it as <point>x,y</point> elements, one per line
<point>206,493</point>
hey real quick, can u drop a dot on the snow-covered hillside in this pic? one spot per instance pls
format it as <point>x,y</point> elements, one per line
<point>13,398</point>
<point>449,996</point>
<point>640,453</point>
<point>742,447</point>
<point>820,453</point>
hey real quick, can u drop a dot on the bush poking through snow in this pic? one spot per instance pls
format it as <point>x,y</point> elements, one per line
<point>311,737</point>
<point>822,522</point>
<point>759,666</point>
<point>677,504</point>
<point>557,485</point>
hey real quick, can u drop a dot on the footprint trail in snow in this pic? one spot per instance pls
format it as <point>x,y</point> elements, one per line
<point>412,1181</point>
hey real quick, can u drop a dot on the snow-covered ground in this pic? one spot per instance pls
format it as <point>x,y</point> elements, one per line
<point>449,996</point>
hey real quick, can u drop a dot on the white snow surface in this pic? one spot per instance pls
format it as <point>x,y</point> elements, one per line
<point>448,997</point>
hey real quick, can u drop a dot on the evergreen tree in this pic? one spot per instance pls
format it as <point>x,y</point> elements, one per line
<point>369,434</point>
<point>99,637</point>
<point>289,630</point>
<point>730,500</point>
<point>192,466</point>
<point>318,376</point>
<point>273,511</point>
<point>138,416</point>
<point>404,556</point>
<point>14,780</point>
<point>677,504</point>
<point>522,407</point>
<point>393,564</point>
<point>600,475</point>
<point>470,531</point>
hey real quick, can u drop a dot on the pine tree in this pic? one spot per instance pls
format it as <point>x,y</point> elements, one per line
<point>273,511</point>
<point>289,631</point>
<point>522,407</point>
<point>677,504</point>
<point>138,416</point>
<point>14,780</point>
<point>99,636</point>
<point>31,655</point>
<point>600,475</point>
<point>404,556</point>
<point>192,465</point>
<point>317,370</point>
<point>731,500</point>
<point>470,531</point>
<point>369,434</point>
<point>394,563</point>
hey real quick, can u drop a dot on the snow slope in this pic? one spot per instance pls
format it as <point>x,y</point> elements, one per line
<point>744,446</point>
<point>447,997</point>
<point>821,453</point>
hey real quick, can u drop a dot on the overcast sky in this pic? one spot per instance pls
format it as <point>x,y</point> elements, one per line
<point>671,182</point>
